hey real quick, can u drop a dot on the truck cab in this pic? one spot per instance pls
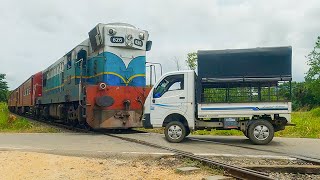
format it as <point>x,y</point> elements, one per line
<point>172,98</point>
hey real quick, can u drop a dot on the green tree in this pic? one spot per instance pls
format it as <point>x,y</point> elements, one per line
<point>3,88</point>
<point>313,75</point>
<point>302,97</point>
<point>192,60</point>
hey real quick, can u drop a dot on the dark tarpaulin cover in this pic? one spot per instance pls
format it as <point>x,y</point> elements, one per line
<point>256,63</point>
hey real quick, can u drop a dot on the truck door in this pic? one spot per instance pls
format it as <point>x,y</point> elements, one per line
<point>169,96</point>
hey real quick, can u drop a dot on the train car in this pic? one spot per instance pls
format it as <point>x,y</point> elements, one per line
<point>101,82</point>
<point>22,100</point>
<point>26,96</point>
<point>12,100</point>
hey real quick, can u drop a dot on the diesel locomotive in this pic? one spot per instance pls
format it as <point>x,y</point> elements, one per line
<point>100,83</point>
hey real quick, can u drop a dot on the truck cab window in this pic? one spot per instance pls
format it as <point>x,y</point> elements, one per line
<point>170,83</point>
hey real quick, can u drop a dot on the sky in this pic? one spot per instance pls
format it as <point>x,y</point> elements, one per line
<point>36,33</point>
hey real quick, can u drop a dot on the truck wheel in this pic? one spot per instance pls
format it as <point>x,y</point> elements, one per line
<point>175,132</point>
<point>260,132</point>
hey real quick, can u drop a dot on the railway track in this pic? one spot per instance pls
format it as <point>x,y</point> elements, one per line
<point>234,171</point>
<point>312,160</point>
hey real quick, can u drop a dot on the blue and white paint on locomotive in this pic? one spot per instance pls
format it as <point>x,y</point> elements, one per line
<point>123,62</point>
<point>114,63</point>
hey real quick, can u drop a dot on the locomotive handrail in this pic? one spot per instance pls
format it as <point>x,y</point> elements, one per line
<point>156,64</point>
<point>80,81</point>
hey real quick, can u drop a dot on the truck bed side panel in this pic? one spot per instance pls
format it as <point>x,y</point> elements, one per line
<point>221,110</point>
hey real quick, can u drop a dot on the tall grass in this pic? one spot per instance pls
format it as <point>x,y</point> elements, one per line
<point>307,125</point>
<point>19,124</point>
<point>6,125</point>
<point>3,112</point>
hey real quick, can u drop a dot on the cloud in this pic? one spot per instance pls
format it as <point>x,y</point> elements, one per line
<point>36,33</point>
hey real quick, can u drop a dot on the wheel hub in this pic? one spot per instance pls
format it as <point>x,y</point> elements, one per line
<point>175,132</point>
<point>261,132</point>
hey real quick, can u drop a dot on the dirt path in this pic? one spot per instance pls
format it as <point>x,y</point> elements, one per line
<point>28,165</point>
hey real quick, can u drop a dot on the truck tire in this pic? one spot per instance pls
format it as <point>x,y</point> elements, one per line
<point>260,132</point>
<point>175,132</point>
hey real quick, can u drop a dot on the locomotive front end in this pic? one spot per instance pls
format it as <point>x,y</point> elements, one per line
<point>116,84</point>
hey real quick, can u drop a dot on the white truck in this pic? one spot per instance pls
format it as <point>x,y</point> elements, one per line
<point>244,89</point>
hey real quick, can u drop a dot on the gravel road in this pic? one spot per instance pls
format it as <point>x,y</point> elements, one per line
<point>30,165</point>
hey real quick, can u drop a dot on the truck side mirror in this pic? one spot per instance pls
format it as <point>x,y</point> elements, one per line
<point>148,45</point>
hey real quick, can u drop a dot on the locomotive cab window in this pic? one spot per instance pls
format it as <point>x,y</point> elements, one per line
<point>69,64</point>
<point>82,57</point>
<point>170,83</point>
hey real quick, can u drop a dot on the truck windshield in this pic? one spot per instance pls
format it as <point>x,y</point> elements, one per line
<point>169,83</point>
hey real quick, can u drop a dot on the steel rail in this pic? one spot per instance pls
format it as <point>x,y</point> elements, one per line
<point>312,160</point>
<point>234,171</point>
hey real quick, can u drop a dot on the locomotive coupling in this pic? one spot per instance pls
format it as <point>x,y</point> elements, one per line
<point>122,115</point>
<point>126,104</point>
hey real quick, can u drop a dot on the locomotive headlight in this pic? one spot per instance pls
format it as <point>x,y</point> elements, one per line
<point>141,36</point>
<point>102,86</point>
<point>112,31</point>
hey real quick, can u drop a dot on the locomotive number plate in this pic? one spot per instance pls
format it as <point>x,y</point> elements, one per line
<point>138,42</point>
<point>117,39</point>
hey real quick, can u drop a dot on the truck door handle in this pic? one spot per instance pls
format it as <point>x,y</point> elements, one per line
<point>181,97</point>
<point>153,101</point>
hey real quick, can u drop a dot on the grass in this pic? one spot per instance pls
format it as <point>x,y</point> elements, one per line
<point>307,126</point>
<point>16,124</point>
<point>231,132</point>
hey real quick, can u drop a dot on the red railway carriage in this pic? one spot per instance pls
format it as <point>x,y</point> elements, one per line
<point>26,93</point>
<point>23,98</point>
<point>13,99</point>
<point>37,86</point>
